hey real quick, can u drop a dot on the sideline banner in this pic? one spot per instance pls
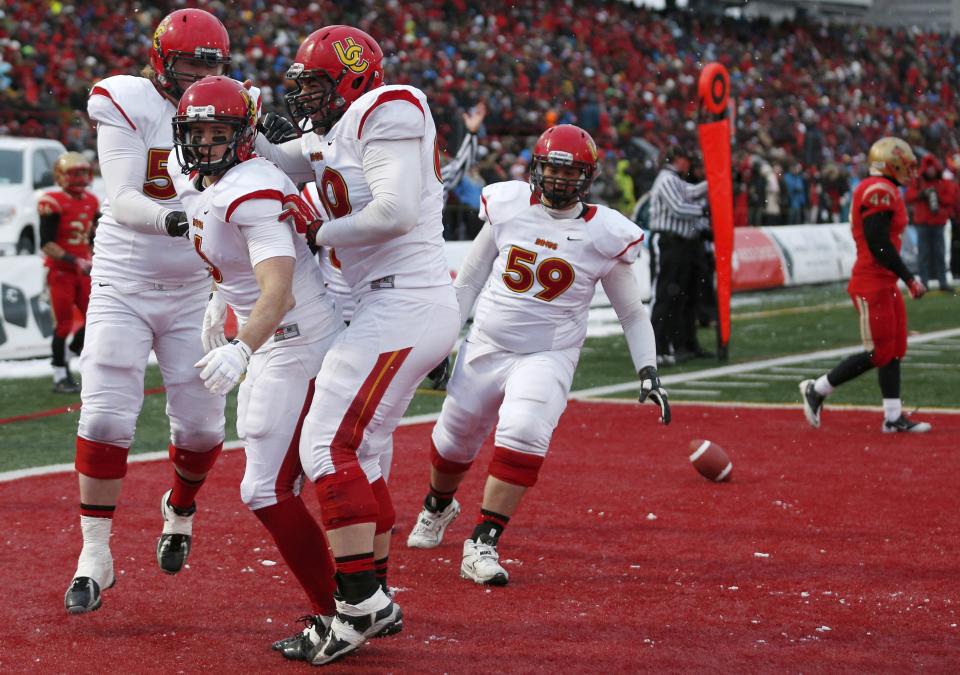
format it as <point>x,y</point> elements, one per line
<point>26,323</point>
<point>815,253</point>
<point>757,260</point>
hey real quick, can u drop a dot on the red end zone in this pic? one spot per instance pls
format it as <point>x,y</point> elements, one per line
<point>832,550</point>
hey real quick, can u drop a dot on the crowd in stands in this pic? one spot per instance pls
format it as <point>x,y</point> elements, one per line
<point>809,98</point>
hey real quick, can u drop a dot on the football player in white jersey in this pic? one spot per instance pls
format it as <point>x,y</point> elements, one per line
<point>535,266</point>
<point>265,272</point>
<point>149,291</point>
<point>372,150</point>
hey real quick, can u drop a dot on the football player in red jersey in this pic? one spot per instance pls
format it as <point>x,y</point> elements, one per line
<point>878,217</point>
<point>67,216</point>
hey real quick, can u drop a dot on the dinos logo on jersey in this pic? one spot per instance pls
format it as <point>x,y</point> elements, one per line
<point>352,56</point>
<point>161,29</point>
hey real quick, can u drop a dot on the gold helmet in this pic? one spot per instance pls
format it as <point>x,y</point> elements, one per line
<point>893,158</point>
<point>73,172</point>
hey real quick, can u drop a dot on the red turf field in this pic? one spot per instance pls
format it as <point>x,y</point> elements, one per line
<point>831,550</point>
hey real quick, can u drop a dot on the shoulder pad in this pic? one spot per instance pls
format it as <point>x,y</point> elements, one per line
<point>613,234</point>
<point>256,178</point>
<point>392,115</point>
<point>48,203</point>
<point>498,201</point>
<point>879,196</point>
<point>120,100</point>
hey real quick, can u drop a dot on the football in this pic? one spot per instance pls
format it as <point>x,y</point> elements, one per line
<point>710,460</point>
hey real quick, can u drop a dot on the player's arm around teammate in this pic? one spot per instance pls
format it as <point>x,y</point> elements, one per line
<point>534,266</point>
<point>148,294</point>
<point>265,272</point>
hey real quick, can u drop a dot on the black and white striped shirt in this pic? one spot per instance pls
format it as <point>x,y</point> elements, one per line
<point>452,172</point>
<point>676,206</point>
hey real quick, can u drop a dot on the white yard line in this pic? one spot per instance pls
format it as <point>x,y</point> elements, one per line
<point>591,393</point>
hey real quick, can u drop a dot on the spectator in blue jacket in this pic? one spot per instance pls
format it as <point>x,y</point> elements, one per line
<point>796,186</point>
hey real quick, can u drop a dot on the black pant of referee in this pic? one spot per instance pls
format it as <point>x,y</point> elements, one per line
<point>674,265</point>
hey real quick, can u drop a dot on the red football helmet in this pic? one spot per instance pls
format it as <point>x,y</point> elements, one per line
<point>72,172</point>
<point>187,34</point>
<point>338,64</point>
<point>214,100</point>
<point>564,146</point>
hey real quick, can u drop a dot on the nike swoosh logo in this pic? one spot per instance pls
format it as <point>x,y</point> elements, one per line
<point>206,212</point>
<point>574,238</point>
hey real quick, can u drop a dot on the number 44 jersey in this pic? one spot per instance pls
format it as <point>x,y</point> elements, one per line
<point>142,118</point>
<point>538,295</point>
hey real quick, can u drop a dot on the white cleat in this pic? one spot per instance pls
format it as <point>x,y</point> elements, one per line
<point>94,574</point>
<point>428,532</point>
<point>812,402</point>
<point>481,564</point>
<point>174,543</point>
<point>905,424</point>
<point>355,624</point>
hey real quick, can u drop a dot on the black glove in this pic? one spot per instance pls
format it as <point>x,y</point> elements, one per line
<point>176,224</point>
<point>277,128</point>
<point>650,388</point>
<point>440,375</point>
<point>706,234</point>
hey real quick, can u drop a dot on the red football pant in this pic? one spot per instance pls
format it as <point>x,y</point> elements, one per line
<point>883,323</point>
<point>68,289</point>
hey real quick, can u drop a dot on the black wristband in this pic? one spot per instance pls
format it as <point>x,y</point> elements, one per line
<point>69,258</point>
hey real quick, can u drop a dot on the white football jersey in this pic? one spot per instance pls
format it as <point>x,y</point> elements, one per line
<point>538,295</point>
<point>224,218</point>
<point>327,259</point>
<point>394,112</point>
<point>123,254</point>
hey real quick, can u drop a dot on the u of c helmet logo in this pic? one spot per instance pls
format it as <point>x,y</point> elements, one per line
<point>351,57</point>
<point>161,29</point>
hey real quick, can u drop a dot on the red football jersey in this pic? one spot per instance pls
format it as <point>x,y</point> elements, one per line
<point>875,195</point>
<point>76,221</point>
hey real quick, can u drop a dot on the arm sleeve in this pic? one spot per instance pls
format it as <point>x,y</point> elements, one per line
<point>452,173</point>
<point>697,192</point>
<point>49,222</point>
<point>123,165</point>
<point>475,270</point>
<point>288,156</point>
<point>265,235</point>
<point>624,293</point>
<point>876,230</point>
<point>673,190</point>
<point>392,168</point>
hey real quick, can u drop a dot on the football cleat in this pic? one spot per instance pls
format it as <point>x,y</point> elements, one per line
<point>298,646</point>
<point>428,532</point>
<point>67,385</point>
<point>481,564</point>
<point>812,402</point>
<point>904,423</point>
<point>83,595</point>
<point>353,625</point>
<point>173,546</point>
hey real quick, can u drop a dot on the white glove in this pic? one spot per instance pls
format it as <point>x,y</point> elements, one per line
<point>213,321</point>
<point>224,366</point>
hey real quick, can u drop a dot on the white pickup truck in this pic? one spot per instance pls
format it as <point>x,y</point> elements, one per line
<point>26,166</point>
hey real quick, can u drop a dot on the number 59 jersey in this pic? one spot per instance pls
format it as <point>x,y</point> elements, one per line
<point>124,254</point>
<point>538,295</point>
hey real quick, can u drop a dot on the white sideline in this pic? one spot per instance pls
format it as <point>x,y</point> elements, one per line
<point>583,394</point>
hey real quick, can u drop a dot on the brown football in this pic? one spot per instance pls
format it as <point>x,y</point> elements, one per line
<point>710,460</point>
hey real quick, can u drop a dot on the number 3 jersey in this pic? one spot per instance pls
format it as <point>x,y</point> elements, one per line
<point>76,214</point>
<point>538,295</point>
<point>234,226</point>
<point>124,254</point>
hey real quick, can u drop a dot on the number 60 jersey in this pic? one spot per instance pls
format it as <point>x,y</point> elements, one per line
<point>538,295</point>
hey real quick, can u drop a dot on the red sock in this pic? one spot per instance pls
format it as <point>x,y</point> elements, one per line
<point>304,548</point>
<point>97,510</point>
<point>184,492</point>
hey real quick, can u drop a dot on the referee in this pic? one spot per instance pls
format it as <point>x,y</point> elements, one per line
<point>678,219</point>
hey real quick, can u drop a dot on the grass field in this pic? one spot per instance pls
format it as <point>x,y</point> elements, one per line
<point>769,324</point>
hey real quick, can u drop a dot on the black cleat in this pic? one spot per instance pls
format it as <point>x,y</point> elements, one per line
<point>83,595</point>
<point>297,647</point>
<point>377,616</point>
<point>812,402</point>
<point>904,423</point>
<point>67,385</point>
<point>173,546</point>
